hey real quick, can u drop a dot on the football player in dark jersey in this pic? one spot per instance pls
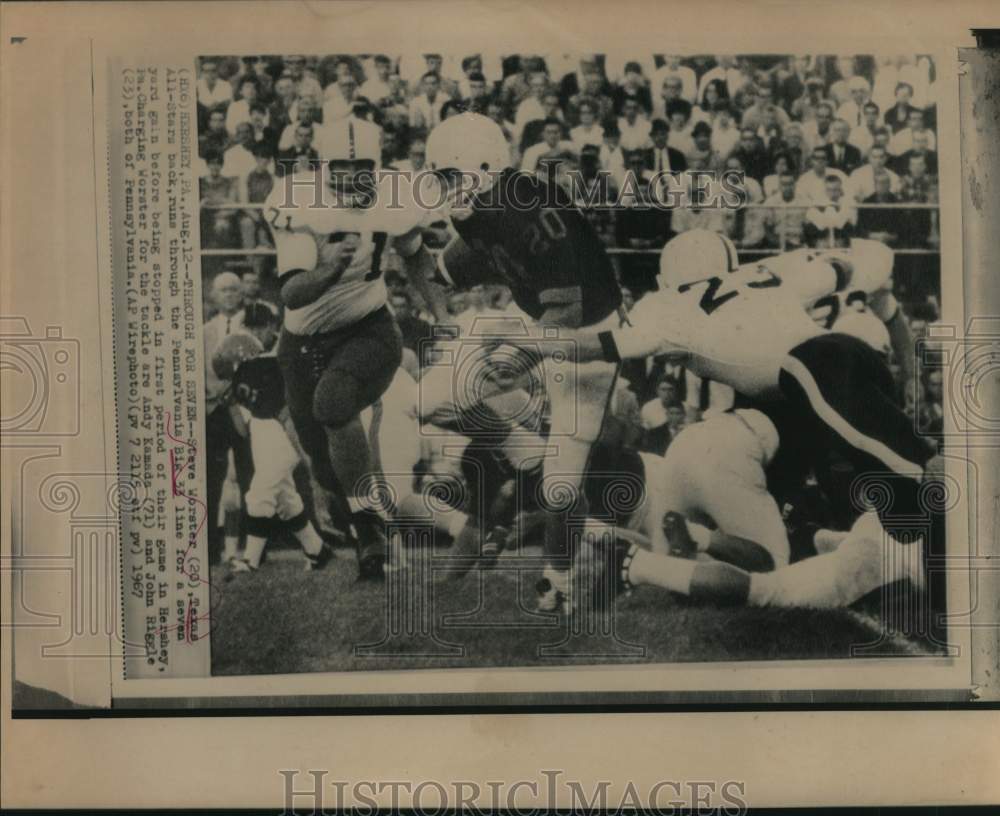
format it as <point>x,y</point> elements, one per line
<point>522,231</point>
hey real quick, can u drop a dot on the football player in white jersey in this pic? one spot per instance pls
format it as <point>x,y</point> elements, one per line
<point>340,346</point>
<point>751,332</point>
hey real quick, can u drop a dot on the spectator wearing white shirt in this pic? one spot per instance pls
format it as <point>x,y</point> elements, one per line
<point>817,132</point>
<point>305,82</point>
<point>531,109</point>
<point>863,136</point>
<point>672,67</point>
<point>831,221</point>
<point>763,110</point>
<point>811,186</point>
<point>306,113</point>
<point>633,127</point>
<point>239,110</point>
<point>425,109</point>
<point>552,143</point>
<point>588,132</point>
<point>783,223</point>
<point>238,161</point>
<point>903,140</point>
<point>377,89</point>
<point>840,90</point>
<point>612,157</point>
<point>340,95</point>
<point>782,167</point>
<point>213,93</point>
<point>862,183</point>
<point>852,111</point>
<point>725,133</point>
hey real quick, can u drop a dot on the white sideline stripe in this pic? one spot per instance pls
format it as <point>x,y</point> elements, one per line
<point>853,436</point>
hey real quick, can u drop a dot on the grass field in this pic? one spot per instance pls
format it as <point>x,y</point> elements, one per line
<point>284,620</point>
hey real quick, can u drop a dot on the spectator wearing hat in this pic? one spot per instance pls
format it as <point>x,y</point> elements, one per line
<point>633,87</point>
<point>661,155</point>
<point>898,116</point>
<point>702,156</point>
<point>840,154</point>
<point>804,108</point>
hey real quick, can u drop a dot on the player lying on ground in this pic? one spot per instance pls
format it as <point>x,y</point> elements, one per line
<point>611,562</point>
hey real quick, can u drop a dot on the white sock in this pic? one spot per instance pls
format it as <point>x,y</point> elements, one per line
<point>255,549</point>
<point>662,571</point>
<point>231,547</point>
<point>309,539</point>
<point>700,535</point>
<point>452,522</point>
<point>865,560</point>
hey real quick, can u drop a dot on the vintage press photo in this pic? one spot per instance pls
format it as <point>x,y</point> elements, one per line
<point>589,374</point>
<point>532,360</point>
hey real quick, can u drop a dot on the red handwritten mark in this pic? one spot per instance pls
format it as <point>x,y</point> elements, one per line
<point>176,470</point>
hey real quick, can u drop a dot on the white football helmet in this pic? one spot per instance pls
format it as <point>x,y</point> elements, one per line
<point>470,143</point>
<point>867,327</point>
<point>695,255</point>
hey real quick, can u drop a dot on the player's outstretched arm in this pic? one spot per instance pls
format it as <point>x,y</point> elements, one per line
<point>420,269</point>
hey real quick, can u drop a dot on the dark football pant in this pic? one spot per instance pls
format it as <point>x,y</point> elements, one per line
<point>220,437</point>
<point>331,377</point>
<point>845,392</point>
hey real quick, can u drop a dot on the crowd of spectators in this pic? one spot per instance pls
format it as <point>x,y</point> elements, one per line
<point>818,140</point>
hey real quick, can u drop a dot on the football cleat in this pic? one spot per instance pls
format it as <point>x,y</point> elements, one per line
<point>600,571</point>
<point>494,544</point>
<point>319,561</point>
<point>675,530</point>
<point>371,544</point>
<point>241,565</point>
